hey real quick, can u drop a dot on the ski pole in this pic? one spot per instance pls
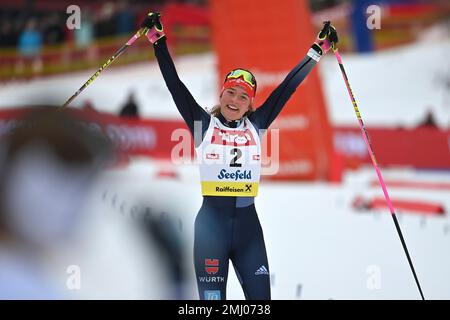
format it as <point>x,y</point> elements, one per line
<point>375,165</point>
<point>138,34</point>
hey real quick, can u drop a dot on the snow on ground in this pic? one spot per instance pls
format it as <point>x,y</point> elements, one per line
<point>319,247</point>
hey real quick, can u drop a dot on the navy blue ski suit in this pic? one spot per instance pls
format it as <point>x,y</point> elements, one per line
<point>228,228</point>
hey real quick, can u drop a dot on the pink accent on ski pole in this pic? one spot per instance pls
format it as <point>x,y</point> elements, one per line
<point>153,35</point>
<point>366,140</point>
<point>338,56</point>
<point>132,40</point>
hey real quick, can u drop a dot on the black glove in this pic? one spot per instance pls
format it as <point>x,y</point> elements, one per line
<point>326,39</point>
<point>152,23</point>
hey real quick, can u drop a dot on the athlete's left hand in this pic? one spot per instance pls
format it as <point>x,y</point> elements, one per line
<point>327,38</point>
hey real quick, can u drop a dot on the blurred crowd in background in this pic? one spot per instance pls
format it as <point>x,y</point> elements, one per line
<point>35,40</point>
<point>33,32</point>
<point>44,22</point>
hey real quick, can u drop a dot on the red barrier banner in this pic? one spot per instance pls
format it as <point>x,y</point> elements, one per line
<point>131,137</point>
<point>422,147</point>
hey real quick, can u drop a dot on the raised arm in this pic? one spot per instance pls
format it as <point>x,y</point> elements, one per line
<point>189,109</point>
<point>269,110</point>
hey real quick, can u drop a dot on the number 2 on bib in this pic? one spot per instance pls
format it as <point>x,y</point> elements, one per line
<point>237,153</point>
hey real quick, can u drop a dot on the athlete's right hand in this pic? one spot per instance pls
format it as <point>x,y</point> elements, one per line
<point>152,23</point>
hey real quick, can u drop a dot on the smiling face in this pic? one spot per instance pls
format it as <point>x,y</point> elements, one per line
<point>234,103</point>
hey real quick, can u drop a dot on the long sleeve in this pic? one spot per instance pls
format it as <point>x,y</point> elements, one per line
<point>189,109</point>
<point>269,110</point>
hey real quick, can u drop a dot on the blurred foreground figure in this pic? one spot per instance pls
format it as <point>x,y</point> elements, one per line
<point>47,166</point>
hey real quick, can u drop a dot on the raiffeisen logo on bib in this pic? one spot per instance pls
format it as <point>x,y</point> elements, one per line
<point>238,175</point>
<point>233,137</point>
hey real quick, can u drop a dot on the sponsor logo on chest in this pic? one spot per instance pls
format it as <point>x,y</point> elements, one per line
<point>238,175</point>
<point>233,137</point>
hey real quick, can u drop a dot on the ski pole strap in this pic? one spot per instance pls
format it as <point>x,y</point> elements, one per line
<point>314,54</point>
